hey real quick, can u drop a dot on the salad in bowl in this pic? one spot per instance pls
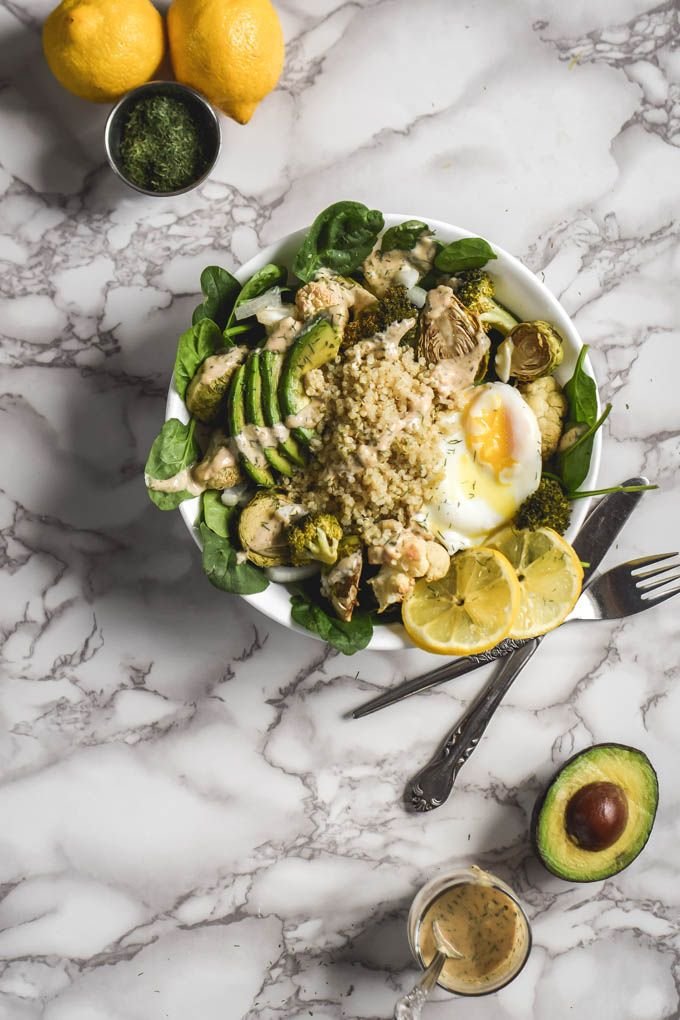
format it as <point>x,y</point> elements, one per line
<point>383,431</point>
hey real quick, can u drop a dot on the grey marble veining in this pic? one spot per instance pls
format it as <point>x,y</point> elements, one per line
<point>190,826</point>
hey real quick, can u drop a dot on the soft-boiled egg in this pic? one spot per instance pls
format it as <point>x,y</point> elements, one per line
<point>492,451</point>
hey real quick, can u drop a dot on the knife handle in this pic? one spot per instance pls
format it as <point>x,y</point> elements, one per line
<point>433,784</point>
<point>449,671</point>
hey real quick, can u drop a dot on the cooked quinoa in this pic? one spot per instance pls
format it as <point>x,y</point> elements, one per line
<point>379,452</point>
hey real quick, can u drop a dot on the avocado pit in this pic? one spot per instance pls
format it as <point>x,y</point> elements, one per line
<point>596,816</point>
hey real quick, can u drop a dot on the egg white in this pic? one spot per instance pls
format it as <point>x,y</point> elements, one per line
<point>492,454</point>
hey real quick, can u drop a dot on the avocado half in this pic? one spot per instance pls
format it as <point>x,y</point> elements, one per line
<point>597,813</point>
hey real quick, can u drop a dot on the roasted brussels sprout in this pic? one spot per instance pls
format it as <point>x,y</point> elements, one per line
<point>262,528</point>
<point>340,582</point>
<point>209,386</point>
<point>315,537</point>
<point>530,350</point>
<point>546,399</point>
<point>449,330</point>
<point>219,467</point>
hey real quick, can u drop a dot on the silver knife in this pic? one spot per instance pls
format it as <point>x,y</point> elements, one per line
<point>593,541</point>
<point>433,784</point>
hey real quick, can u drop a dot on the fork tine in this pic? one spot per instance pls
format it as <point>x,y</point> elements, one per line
<point>662,596</point>
<point>646,561</point>
<point>653,573</point>
<point>647,588</point>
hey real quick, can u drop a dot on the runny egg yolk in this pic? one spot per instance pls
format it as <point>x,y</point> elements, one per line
<point>492,452</point>
<point>490,435</point>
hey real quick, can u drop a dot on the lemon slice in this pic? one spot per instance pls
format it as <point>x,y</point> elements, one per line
<point>550,578</point>
<point>468,611</point>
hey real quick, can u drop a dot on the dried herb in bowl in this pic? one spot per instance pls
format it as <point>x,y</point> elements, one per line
<point>162,148</point>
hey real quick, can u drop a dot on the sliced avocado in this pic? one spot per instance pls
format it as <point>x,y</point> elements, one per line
<point>252,457</point>
<point>255,416</point>
<point>317,344</point>
<point>271,363</point>
<point>597,813</point>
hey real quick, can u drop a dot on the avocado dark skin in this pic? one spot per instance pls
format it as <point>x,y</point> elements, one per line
<point>596,813</point>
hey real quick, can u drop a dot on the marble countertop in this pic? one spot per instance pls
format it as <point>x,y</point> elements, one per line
<point>189,826</point>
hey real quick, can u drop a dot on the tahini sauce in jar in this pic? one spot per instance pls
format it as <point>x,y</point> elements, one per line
<point>486,926</point>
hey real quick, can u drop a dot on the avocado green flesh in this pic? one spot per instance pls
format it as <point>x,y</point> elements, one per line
<point>236,420</point>
<point>271,363</point>
<point>255,416</point>
<point>315,346</point>
<point>627,768</point>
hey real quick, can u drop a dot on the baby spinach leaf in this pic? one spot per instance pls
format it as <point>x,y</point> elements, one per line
<point>404,237</point>
<point>195,345</point>
<point>573,463</point>
<point>221,290</point>
<point>264,279</point>
<point>173,450</point>
<point>340,238</point>
<point>581,393</point>
<point>467,253</point>
<point>215,514</point>
<point>223,569</point>
<point>346,637</point>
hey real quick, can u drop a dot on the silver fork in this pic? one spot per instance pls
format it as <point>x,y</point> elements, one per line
<point>623,591</point>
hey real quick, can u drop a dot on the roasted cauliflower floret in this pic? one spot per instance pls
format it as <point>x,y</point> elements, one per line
<point>390,587</point>
<point>315,537</point>
<point>546,399</point>
<point>404,556</point>
<point>333,294</point>
<point>219,467</point>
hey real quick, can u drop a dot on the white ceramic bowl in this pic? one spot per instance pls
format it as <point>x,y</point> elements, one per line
<point>517,288</point>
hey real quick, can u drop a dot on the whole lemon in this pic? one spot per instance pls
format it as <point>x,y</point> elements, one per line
<point>230,50</point>
<point>100,49</point>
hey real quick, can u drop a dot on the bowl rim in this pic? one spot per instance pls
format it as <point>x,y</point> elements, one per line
<point>152,87</point>
<point>392,637</point>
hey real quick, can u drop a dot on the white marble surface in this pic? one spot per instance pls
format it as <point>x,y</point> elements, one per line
<point>188,826</point>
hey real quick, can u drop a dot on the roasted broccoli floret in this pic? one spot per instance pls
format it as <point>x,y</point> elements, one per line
<point>315,537</point>
<point>530,351</point>
<point>476,291</point>
<point>393,307</point>
<point>548,507</point>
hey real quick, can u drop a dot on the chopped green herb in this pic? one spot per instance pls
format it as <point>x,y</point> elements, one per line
<point>161,147</point>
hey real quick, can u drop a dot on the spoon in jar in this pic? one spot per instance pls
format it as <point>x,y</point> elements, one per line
<point>410,1006</point>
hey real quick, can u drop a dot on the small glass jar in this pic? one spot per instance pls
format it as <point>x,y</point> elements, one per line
<point>436,889</point>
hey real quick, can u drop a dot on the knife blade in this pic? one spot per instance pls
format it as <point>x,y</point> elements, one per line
<point>598,533</point>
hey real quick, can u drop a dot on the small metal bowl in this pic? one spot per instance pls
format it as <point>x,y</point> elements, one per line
<point>199,106</point>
